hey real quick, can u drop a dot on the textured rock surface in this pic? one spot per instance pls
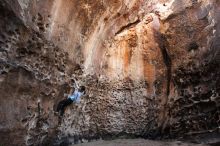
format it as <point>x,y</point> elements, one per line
<point>151,69</point>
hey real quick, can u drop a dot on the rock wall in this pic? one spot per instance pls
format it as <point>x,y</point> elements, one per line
<point>151,69</point>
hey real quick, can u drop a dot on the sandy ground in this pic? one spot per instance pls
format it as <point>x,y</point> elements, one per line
<point>136,142</point>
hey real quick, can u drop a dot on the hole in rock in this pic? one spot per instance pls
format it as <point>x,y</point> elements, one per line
<point>193,46</point>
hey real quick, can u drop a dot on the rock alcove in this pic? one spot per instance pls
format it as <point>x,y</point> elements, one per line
<point>151,70</point>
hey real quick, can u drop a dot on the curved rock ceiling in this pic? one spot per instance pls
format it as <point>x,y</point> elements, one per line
<point>151,69</point>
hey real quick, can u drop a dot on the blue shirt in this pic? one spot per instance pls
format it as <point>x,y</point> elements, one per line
<point>76,96</point>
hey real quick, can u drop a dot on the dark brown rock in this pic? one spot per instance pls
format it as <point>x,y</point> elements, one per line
<point>151,69</point>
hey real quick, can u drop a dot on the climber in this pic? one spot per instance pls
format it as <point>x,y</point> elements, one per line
<point>74,97</point>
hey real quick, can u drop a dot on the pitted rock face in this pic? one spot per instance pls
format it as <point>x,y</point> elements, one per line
<point>151,69</point>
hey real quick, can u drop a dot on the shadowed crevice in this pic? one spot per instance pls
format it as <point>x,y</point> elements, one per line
<point>164,45</point>
<point>129,25</point>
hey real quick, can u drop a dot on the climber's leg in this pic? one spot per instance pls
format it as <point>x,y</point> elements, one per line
<point>60,104</point>
<point>65,103</point>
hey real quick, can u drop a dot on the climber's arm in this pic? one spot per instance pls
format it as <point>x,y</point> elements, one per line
<point>75,85</point>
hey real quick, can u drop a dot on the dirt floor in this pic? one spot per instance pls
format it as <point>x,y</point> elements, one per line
<point>136,142</point>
